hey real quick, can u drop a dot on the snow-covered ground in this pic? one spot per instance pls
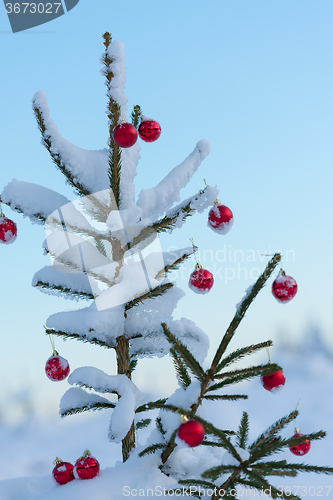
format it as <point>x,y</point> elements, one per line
<point>29,448</point>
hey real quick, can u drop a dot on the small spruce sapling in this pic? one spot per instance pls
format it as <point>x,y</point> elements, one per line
<point>97,249</point>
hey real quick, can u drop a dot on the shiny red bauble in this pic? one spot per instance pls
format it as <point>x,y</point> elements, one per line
<point>56,367</point>
<point>273,382</point>
<point>125,135</point>
<point>149,130</point>
<point>284,288</point>
<point>220,218</point>
<point>201,280</point>
<point>86,467</point>
<point>63,472</point>
<point>192,432</point>
<point>8,230</point>
<point>300,449</point>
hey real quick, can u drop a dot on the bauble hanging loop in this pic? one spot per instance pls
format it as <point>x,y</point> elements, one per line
<point>284,288</point>
<point>125,135</point>
<point>63,471</point>
<point>220,218</point>
<point>86,467</point>
<point>149,130</point>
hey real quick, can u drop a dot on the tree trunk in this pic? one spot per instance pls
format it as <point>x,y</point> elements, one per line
<point>123,365</point>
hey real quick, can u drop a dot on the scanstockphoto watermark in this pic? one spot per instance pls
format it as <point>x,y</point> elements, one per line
<point>160,491</point>
<point>239,492</point>
<point>228,263</point>
<point>25,15</point>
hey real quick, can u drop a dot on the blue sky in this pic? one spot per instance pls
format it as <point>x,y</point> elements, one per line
<point>254,78</point>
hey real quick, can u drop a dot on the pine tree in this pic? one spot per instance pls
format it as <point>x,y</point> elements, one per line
<point>105,250</point>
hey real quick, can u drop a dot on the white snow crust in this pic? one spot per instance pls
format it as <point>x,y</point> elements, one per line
<point>223,229</point>
<point>89,168</point>
<point>134,279</point>
<point>198,202</point>
<point>79,254</point>
<point>76,397</point>
<point>32,199</point>
<point>72,281</point>
<point>188,462</point>
<point>123,414</point>
<point>247,293</point>
<point>277,389</point>
<point>200,291</point>
<point>71,217</point>
<point>90,323</point>
<point>116,52</point>
<point>154,343</point>
<point>159,199</point>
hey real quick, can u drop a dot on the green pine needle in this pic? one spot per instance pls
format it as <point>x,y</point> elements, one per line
<point>181,371</point>
<point>175,265</point>
<point>152,294</point>
<point>136,116</point>
<point>243,431</point>
<point>87,407</point>
<point>141,424</point>
<point>152,449</point>
<point>239,354</point>
<point>244,374</point>
<point>184,353</point>
<point>133,365</point>
<point>243,307</point>
<point>159,425</point>
<point>271,432</point>
<point>76,336</point>
<point>215,472</point>
<point>65,291</point>
<point>225,397</point>
<point>152,405</point>
<point>166,223</point>
<point>197,482</point>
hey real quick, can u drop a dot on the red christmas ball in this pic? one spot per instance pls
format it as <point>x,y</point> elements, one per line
<point>220,218</point>
<point>149,130</point>
<point>125,135</point>
<point>201,280</point>
<point>192,432</point>
<point>56,367</point>
<point>284,288</point>
<point>63,472</point>
<point>8,230</point>
<point>87,466</point>
<point>300,449</point>
<point>273,382</point>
